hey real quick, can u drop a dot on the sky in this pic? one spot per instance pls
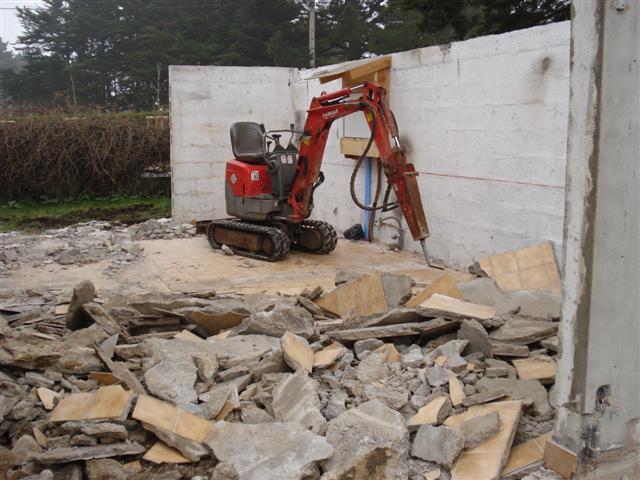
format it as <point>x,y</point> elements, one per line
<point>9,24</point>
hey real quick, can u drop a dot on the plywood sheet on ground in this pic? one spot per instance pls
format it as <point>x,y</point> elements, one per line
<point>485,462</point>
<point>443,285</point>
<point>107,402</point>
<point>532,268</point>
<point>559,459</point>
<point>359,297</point>
<point>540,367</point>
<point>460,307</point>
<point>163,453</point>
<point>526,454</point>
<point>164,415</point>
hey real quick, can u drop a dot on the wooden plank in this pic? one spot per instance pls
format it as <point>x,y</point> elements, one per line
<point>430,327</point>
<point>531,268</point>
<point>354,147</point>
<point>163,453</point>
<point>107,402</point>
<point>485,461</point>
<point>443,285</point>
<point>358,67</point>
<point>363,70</point>
<point>430,414</point>
<point>456,391</point>
<point>164,415</point>
<point>357,298</point>
<point>559,459</point>
<point>456,306</point>
<point>526,455</point>
<point>540,367</point>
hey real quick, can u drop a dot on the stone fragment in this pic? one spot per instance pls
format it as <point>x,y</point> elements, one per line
<point>393,396</point>
<point>370,441</point>
<point>434,412</point>
<point>397,288</point>
<point>484,397</point>
<point>250,413</point>
<point>478,429</point>
<point>412,357</point>
<point>224,471</point>
<point>215,399</point>
<point>276,322</point>
<point>105,431</point>
<point>105,469</point>
<point>328,356</point>
<point>451,351</point>
<point>472,331</point>
<point>456,391</point>
<point>173,381</point>
<point>83,292</point>
<point>531,390</point>
<point>73,454</point>
<point>372,368</point>
<point>438,376</point>
<point>24,449</point>
<point>295,398</point>
<point>191,449</point>
<point>336,404</point>
<point>367,345</point>
<point>297,352</point>
<point>509,349</point>
<point>524,332</point>
<point>441,445</point>
<point>428,327</point>
<point>83,440</point>
<point>267,451</point>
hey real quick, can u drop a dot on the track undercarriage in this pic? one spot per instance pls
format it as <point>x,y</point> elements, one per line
<point>271,241</point>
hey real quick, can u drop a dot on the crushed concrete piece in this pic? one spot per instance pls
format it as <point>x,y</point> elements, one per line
<point>509,349</point>
<point>73,454</point>
<point>48,397</point>
<point>441,445</point>
<point>540,367</point>
<point>295,398</point>
<point>456,391</point>
<point>372,368</point>
<point>191,449</point>
<point>336,404</point>
<point>328,355</point>
<point>430,327</point>
<point>434,412</point>
<point>393,396</point>
<point>367,345</point>
<point>496,372</point>
<point>484,397</point>
<point>105,469</point>
<point>43,475</point>
<point>441,304</point>
<point>250,413</point>
<point>412,357</point>
<point>531,390</point>
<point>267,451</point>
<point>449,355</point>
<point>24,449</point>
<point>478,338</point>
<point>297,352</point>
<point>390,352</point>
<point>276,322</point>
<point>107,402</point>
<point>437,376</point>
<point>83,292</point>
<point>478,429</point>
<point>215,399</point>
<point>173,381</point>
<point>397,288</point>
<point>524,332</point>
<point>551,344</point>
<point>160,452</point>
<point>105,431</point>
<point>370,441</point>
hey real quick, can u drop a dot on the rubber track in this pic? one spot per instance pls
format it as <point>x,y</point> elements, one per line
<point>279,239</point>
<point>329,236</point>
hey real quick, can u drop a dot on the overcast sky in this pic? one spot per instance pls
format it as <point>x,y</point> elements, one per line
<point>9,24</point>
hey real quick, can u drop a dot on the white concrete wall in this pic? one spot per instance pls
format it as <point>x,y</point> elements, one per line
<point>485,121</point>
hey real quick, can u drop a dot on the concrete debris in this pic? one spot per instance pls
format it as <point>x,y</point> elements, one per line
<point>228,387</point>
<point>268,451</point>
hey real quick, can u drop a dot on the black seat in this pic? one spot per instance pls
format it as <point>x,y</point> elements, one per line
<point>246,142</point>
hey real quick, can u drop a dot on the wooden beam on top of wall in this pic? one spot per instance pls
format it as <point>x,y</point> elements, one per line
<point>368,68</point>
<point>354,147</point>
<point>381,77</point>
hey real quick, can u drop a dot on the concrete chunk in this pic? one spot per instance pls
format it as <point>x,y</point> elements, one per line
<point>524,332</point>
<point>477,336</point>
<point>282,318</point>
<point>73,454</point>
<point>478,429</point>
<point>295,398</point>
<point>441,445</point>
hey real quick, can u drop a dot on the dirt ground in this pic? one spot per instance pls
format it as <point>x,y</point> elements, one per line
<point>189,264</point>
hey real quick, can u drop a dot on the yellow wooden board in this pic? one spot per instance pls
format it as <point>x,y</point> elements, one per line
<point>356,298</point>
<point>525,454</point>
<point>163,453</point>
<point>460,307</point>
<point>428,415</point>
<point>532,268</point>
<point>559,459</point>
<point>106,402</point>
<point>456,391</point>
<point>485,461</point>
<point>298,351</point>
<point>443,285</point>
<point>355,146</point>
<point>540,367</point>
<point>164,415</point>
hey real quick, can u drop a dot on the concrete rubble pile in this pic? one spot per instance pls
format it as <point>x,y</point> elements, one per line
<point>85,243</point>
<point>204,386</point>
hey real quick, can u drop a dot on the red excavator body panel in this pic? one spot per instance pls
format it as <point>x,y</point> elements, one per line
<point>247,180</point>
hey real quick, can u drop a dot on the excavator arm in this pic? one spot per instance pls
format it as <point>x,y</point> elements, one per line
<point>401,175</point>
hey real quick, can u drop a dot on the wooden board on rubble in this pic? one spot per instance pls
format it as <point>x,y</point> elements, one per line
<point>357,298</point>
<point>531,268</point>
<point>107,402</point>
<point>485,461</point>
<point>526,455</point>
<point>443,285</point>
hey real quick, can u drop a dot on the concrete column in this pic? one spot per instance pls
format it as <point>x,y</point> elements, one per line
<point>598,386</point>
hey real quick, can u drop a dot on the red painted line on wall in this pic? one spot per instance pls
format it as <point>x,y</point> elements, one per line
<point>516,182</point>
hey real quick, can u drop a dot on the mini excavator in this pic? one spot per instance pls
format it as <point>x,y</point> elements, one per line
<point>269,190</point>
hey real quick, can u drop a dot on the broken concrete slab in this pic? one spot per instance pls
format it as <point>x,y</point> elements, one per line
<point>173,381</point>
<point>485,397</point>
<point>276,322</point>
<point>106,402</point>
<point>295,398</point>
<point>524,332</point>
<point>509,349</point>
<point>441,445</point>
<point>442,305</point>
<point>412,357</point>
<point>73,454</point>
<point>393,395</point>
<point>83,292</point>
<point>434,412</point>
<point>373,368</point>
<point>449,354</point>
<point>191,449</point>
<point>478,338</point>
<point>397,288</point>
<point>105,468</point>
<point>427,328</point>
<point>370,441</point>
<point>443,285</point>
<point>478,429</point>
<point>268,451</point>
<point>527,390</point>
<point>105,431</point>
<point>297,352</point>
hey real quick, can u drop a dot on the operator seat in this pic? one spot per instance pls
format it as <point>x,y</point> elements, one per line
<point>246,142</point>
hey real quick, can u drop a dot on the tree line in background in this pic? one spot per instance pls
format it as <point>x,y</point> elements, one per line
<point>115,53</point>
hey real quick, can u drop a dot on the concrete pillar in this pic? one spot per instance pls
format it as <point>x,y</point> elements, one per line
<point>598,385</point>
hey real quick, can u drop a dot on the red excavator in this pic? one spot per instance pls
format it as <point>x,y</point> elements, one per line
<point>269,188</point>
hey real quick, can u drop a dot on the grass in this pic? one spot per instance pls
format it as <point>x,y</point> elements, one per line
<point>32,215</point>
